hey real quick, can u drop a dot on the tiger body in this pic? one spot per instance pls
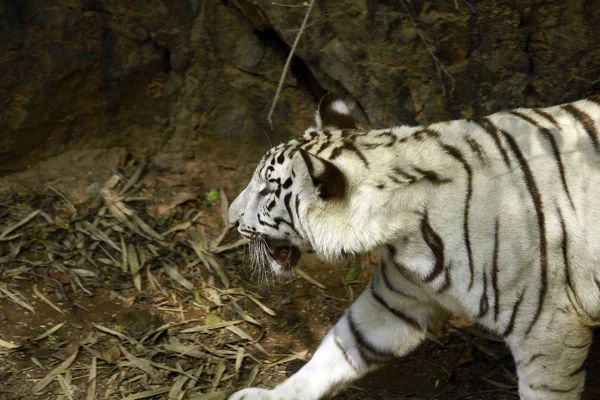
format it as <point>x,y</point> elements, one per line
<point>497,218</point>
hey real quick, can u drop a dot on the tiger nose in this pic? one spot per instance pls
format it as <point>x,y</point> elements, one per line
<point>233,218</point>
<point>235,212</point>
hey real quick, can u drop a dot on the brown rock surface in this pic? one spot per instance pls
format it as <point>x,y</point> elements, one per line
<point>195,79</point>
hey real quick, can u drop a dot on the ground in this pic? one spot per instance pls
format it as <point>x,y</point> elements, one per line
<point>140,290</point>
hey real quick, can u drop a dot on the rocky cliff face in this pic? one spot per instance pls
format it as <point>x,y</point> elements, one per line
<point>197,77</point>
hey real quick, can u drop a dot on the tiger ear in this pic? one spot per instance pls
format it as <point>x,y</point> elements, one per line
<point>333,112</point>
<point>327,178</point>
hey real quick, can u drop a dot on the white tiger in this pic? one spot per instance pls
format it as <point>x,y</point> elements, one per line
<point>497,218</point>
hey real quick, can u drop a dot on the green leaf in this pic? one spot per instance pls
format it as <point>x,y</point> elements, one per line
<point>196,294</point>
<point>352,274</point>
<point>60,371</point>
<point>163,225</point>
<point>211,197</point>
<point>211,319</point>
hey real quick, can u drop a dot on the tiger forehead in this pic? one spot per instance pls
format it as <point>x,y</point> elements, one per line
<point>276,157</point>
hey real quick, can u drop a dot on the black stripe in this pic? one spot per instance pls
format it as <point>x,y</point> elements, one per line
<point>597,281</point>
<point>286,201</point>
<point>546,388</point>
<point>586,121</point>
<point>594,99</point>
<point>323,147</point>
<point>495,271</point>
<point>325,144</point>
<point>276,222</point>
<point>297,207</point>
<point>548,136</point>
<point>539,208</point>
<point>348,145</point>
<point>398,181</point>
<point>367,351</point>
<point>391,251</point>
<point>424,133</point>
<point>477,149</point>
<point>335,153</point>
<point>352,147</point>
<point>432,176</point>
<point>269,168</point>
<point>302,141</point>
<point>564,244</point>
<point>309,146</point>
<point>513,316</point>
<point>406,274</point>
<point>279,221</point>
<point>435,243</point>
<point>546,133</point>
<point>572,301</point>
<point>484,304</point>
<point>392,139</point>
<point>399,314</point>
<point>579,370</point>
<point>278,190</point>
<point>447,281</point>
<point>491,130</point>
<point>548,117</point>
<point>457,155</point>
<point>343,350</point>
<point>388,283</point>
<point>386,133</point>
<point>531,360</point>
<point>409,177</point>
<point>577,346</point>
<point>525,117</point>
<point>292,150</point>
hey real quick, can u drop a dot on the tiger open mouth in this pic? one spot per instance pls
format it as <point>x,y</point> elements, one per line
<point>285,254</point>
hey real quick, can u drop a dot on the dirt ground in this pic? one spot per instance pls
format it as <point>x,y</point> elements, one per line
<point>141,291</point>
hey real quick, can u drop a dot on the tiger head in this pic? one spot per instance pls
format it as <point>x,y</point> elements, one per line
<point>313,195</point>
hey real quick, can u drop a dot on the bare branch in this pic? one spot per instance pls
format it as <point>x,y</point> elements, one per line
<point>288,61</point>
<point>305,4</point>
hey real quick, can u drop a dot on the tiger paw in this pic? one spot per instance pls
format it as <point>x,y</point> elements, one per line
<point>253,394</point>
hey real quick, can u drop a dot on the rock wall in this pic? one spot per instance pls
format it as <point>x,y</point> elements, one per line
<point>195,78</point>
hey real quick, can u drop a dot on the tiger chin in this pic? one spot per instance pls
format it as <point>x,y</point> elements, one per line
<point>497,218</point>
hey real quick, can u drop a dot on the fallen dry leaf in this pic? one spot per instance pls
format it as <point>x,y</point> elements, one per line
<point>111,355</point>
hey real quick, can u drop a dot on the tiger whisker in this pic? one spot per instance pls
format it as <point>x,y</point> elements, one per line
<point>262,261</point>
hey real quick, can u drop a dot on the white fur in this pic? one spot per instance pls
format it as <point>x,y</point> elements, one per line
<point>379,210</point>
<point>340,107</point>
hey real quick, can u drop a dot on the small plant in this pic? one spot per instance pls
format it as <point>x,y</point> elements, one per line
<point>211,197</point>
<point>163,225</point>
<point>351,275</point>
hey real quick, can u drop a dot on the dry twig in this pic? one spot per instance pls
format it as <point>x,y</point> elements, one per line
<point>288,61</point>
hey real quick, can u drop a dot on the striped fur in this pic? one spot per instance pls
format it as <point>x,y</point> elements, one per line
<point>497,218</point>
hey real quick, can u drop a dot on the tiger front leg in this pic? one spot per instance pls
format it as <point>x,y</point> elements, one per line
<point>551,358</point>
<point>377,328</point>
